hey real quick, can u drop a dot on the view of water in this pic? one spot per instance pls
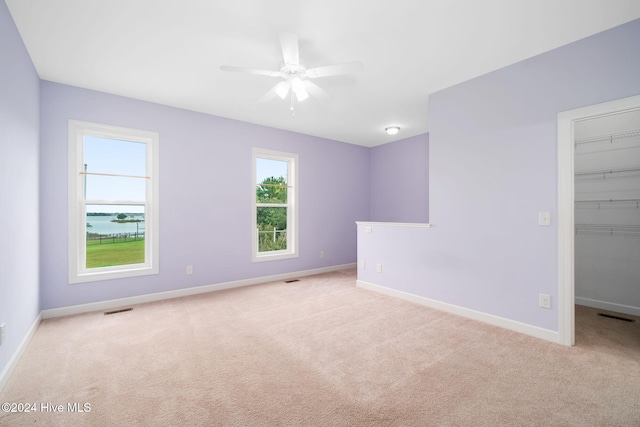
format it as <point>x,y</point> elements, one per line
<point>103,225</point>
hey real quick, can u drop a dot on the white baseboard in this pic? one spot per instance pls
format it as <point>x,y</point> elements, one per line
<point>13,362</point>
<point>609,306</point>
<point>140,299</point>
<point>534,331</point>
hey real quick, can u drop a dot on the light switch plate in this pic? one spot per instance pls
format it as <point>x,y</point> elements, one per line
<point>544,218</point>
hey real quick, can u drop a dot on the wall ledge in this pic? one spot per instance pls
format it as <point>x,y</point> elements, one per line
<point>394,224</point>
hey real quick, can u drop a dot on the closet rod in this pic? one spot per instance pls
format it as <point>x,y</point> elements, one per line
<point>607,138</point>
<point>605,172</point>
<point>609,201</point>
<point>608,228</point>
<point>632,202</point>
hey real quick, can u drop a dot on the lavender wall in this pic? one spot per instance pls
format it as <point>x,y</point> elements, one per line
<point>492,145</point>
<point>19,118</point>
<point>205,195</point>
<point>399,185</point>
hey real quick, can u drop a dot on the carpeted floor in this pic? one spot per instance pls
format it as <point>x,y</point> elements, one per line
<point>320,352</point>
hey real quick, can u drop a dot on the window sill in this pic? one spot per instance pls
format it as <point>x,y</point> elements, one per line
<point>111,275</point>
<point>274,256</point>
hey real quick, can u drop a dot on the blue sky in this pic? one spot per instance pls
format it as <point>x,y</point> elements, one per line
<point>102,155</point>
<point>266,168</point>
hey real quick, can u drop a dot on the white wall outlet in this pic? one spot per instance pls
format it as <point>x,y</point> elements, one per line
<point>189,269</point>
<point>378,268</point>
<point>321,254</point>
<point>544,300</point>
<point>3,335</point>
<point>363,264</point>
<point>544,218</point>
<point>367,229</point>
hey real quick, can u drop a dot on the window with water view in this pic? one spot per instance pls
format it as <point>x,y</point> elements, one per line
<point>114,215</point>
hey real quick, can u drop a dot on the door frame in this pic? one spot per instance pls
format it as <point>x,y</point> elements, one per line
<point>566,201</point>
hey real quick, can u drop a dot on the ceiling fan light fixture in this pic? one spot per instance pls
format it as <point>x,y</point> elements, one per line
<point>392,130</point>
<point>298,88</point>
<point>282,89</point>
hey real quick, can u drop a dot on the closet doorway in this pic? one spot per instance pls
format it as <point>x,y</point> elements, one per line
<point>598,214</point>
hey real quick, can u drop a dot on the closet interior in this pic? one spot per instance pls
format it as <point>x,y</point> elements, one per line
<point>607,212</point>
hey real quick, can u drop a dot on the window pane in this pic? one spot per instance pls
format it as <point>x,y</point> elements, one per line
<point>272,229</point>
<point>115,188</point>
<point>272,190</point>
<point>103,155</point>
<point>117,157</point>
<point>114,235</point>
<point>271,176</point>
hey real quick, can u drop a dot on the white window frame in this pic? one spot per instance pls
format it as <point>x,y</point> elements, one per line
<point>77,271</point>
<point>292,205</point>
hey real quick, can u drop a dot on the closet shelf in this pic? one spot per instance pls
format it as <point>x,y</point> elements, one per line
<point>603,173</point>
<point>608,228</point>
<point>609,138</point>
<point>597,204</point>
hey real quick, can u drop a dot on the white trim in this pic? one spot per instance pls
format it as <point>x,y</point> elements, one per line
<point>534,331</point>
<point>140,299</point>
<point>566,255</point>
<point>13,362</point>
<point>77,273</point>
<point>609,306</point>
<point>395,224</point>
<point>566,243</point>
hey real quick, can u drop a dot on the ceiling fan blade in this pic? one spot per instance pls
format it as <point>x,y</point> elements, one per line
<point>334,70</point>
<point>281,90</point>
<point>317,91</point>
<point>251,71</point>
<point>268,96</point>
<point>290,53</point>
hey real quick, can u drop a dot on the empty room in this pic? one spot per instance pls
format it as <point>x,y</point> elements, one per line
<point>362,213</point>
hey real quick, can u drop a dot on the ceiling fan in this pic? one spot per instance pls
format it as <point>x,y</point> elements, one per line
<point>296,77</point>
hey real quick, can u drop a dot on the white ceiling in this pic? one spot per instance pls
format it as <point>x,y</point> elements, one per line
<point>169,52</point>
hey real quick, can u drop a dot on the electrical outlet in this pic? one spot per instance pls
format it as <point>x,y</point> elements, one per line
<point>321,254</point>
<point>378,268</point>
<point>189,269</point>
<point>544,300</point>
<point>2,333</point>
<point>367,229</point>
<point>363,264</point>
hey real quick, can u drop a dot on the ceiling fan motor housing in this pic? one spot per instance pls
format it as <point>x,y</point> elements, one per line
<point>290,71</point>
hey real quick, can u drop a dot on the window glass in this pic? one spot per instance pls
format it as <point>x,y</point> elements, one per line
<point>272,229</point>
<point>100,187</point>
<point>114,235</point>
<point>114,156</point>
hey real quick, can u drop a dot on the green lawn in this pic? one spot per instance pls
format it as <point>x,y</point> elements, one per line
<point>119,253</point>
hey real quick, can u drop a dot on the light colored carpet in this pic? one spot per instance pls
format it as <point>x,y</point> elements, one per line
<point>321,352</point>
